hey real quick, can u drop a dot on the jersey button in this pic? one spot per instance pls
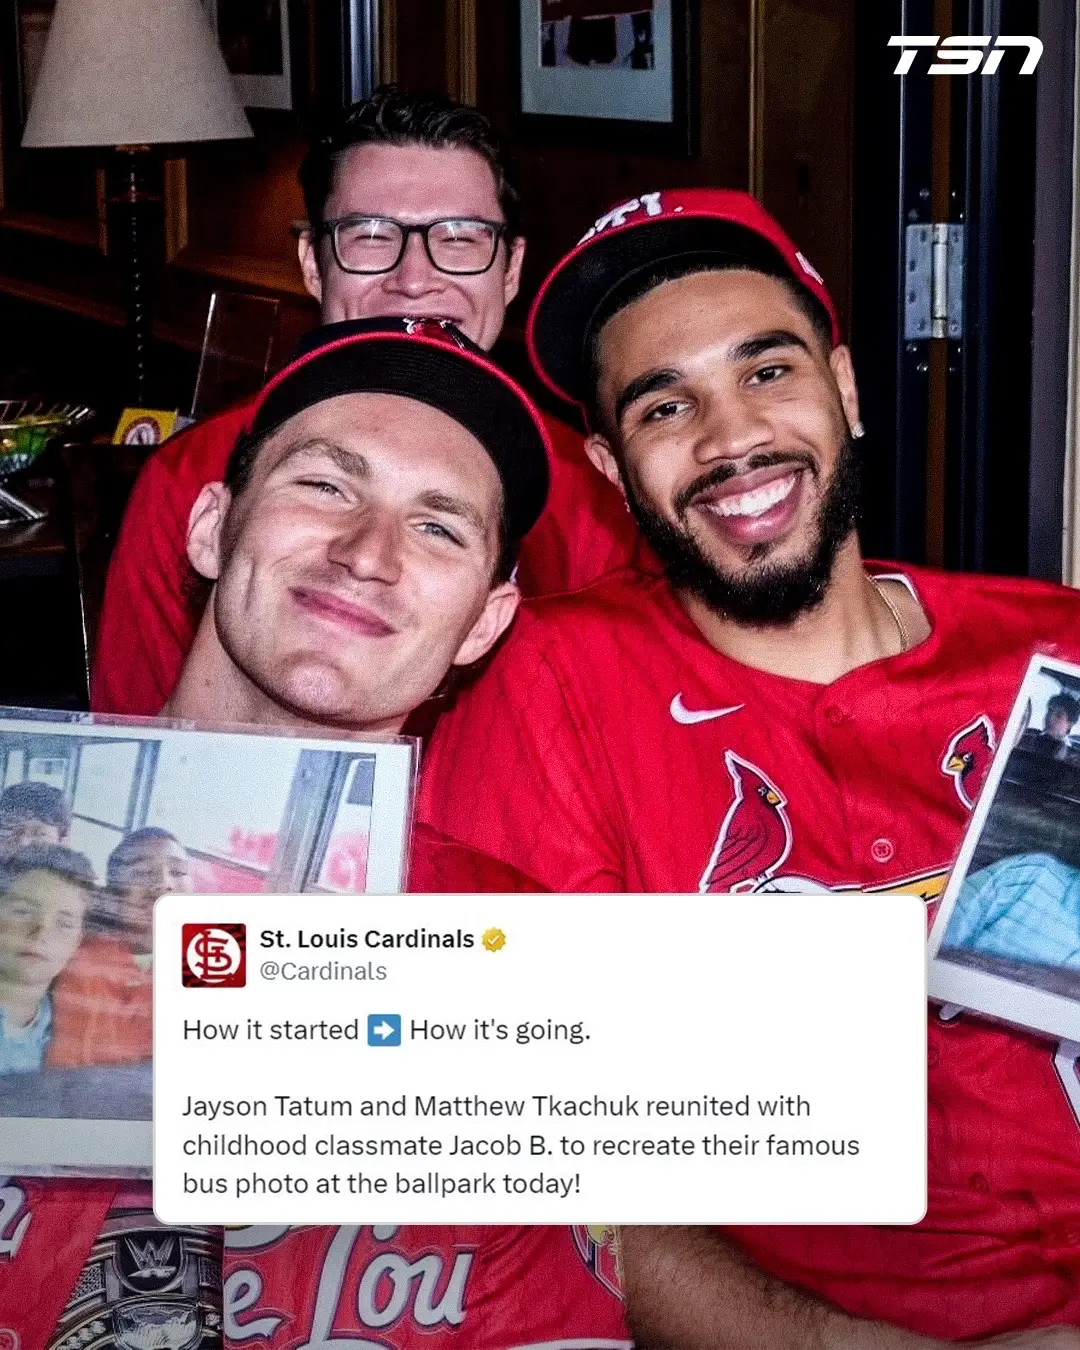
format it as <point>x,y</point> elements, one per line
<point>836,717</point>
<point>979,1183</point>
<point>882,850</point>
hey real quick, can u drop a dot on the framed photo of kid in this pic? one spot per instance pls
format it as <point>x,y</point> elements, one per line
<point>614,74</point>
<point>98,819</point>
<point>1006,938</point>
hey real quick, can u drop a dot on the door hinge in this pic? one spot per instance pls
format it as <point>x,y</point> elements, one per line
<point>934,282</point>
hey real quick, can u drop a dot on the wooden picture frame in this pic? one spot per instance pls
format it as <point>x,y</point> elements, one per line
<point>257,50</point>
<point>311,54</point>
<point>642,62</point>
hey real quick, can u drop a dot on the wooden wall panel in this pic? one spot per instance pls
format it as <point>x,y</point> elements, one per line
<point>806,87</point>
<point>243,204</point>
<point>421,44</point>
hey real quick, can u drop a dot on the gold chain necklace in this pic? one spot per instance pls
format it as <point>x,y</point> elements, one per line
<point>905,641</point>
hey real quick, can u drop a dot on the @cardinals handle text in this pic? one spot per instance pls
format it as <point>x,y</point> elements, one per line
<point>534,1059</point>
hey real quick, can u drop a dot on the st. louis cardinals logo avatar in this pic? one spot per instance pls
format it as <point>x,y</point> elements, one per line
<point>755,838</point>
<point>967,759</point>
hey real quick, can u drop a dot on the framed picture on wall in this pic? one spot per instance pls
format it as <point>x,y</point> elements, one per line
<point>618,74</point>
<point>255,41</point>
<point>302,56</point>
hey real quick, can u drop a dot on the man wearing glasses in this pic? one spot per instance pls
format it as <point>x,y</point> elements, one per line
<point>410,215</point>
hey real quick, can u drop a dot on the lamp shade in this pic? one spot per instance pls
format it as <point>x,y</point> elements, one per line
<point>132,72</point>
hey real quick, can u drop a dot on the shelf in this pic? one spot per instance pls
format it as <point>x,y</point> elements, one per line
<point>97,311</point>
<point>264,274</point>
<point>81,232</point>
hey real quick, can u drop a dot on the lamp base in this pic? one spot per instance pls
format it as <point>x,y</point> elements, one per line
<point>135,201</point>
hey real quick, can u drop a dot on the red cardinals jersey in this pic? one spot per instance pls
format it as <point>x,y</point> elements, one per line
<point>47,1229</point>
<point>388,1288</point>
<point>610,747</point>
<point>441,866</point>
<point>151,607</point>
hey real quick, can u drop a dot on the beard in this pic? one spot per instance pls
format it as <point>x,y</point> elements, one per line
<point>766,593</point>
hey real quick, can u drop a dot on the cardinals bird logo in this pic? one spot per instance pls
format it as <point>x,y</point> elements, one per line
<point>755,838</point>
<point>596,1246</point>
<point>967,760</point>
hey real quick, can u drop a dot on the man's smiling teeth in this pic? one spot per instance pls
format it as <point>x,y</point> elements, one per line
<point>754,503</point>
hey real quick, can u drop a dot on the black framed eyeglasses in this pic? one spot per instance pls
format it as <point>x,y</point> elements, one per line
<point>372,244</point>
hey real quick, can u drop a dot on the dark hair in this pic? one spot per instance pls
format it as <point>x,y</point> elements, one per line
<point>127,846</point>
<point>241,464</point>
<point>1065,704</point>
<point>62,862</point>
<point>640,283</point>
<point>38,801</point>
<point>394,116</point>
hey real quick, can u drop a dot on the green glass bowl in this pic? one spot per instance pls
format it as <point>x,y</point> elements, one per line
<point>27,429</point>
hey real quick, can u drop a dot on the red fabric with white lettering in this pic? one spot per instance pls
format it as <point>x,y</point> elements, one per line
<point>413,1288</point>
<point>47,1227</point>
<point>610,748</point>
<point>149,614</point>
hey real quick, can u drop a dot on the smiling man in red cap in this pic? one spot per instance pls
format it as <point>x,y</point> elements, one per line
<point>360,547</point>
<point>362,543</point>
<point>773,714</point>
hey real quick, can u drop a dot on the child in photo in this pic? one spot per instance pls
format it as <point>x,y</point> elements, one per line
<point>31,813</point>
<point>146,864</point>
<point>64,1002</point>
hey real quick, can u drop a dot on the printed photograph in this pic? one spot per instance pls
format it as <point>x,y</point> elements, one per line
<point>611,72</point>
<point>617,33</point>
<point>97,821</point>
<point>1008,934</point>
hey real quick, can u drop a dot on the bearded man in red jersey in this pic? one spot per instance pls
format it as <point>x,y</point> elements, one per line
<point>774,713</point>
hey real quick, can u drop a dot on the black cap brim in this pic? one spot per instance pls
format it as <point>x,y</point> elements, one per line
<point>457,381</point>
<point>562,320</point>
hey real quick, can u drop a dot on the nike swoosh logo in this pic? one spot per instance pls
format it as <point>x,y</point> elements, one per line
<point>685,717</point>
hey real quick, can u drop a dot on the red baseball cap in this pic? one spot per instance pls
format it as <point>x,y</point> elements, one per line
<point>641,233</point>
<point>431,361</point>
